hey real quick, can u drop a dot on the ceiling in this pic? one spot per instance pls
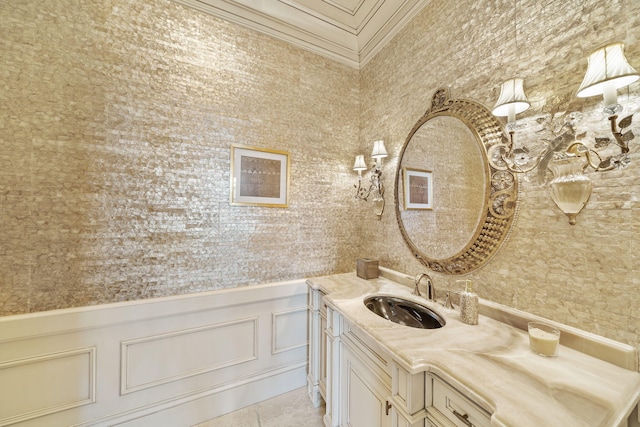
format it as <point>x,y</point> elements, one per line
<point>348,31</point>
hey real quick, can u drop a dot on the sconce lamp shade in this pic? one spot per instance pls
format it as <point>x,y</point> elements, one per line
<point>378,150</point>
<point>359,165</point>
<point>607,67</point>
<point>512,100</point>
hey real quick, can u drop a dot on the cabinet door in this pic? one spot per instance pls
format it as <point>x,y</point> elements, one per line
<point>364,398</point>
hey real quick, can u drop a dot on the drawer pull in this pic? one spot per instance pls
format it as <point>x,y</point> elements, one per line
<point>387,407</point>
<point>464,418</point>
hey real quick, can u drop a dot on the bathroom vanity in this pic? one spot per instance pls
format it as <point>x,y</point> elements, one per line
<point>373,372</point>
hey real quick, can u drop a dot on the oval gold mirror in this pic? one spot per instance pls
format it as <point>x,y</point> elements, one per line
<point>453,205</point>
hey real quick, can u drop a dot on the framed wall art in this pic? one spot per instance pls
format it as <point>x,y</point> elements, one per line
<point>418,189</point>
<point>259,177</point>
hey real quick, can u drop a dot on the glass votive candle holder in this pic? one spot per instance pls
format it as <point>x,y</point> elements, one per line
<point>543,339</point>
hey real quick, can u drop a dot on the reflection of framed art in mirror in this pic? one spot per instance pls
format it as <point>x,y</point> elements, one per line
<point>474,210</point>
<point>418,189</point>
<point>259,177</point>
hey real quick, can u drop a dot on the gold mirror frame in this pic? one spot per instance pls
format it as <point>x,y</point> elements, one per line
<point>500,208</point>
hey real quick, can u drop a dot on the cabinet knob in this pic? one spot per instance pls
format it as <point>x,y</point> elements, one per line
<point>387,407</point>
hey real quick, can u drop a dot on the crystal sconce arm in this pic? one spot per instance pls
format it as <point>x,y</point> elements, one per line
<point>376,188</point>
<point>608,70</point>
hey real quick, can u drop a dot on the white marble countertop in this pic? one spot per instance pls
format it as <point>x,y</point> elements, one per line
<point>491,362</point>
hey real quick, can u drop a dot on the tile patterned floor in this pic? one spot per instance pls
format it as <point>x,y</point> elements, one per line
<point>293,409</point>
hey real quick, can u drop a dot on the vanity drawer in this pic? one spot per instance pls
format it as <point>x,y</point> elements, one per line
<point>455,407</point>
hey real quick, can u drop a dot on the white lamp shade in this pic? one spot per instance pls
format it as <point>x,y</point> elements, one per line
<point>359,165</point>
<point>512,99</point>
<point>378,150</point>
<point>607,65</point>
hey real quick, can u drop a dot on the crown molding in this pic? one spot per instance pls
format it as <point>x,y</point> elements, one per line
<point>351,32</point>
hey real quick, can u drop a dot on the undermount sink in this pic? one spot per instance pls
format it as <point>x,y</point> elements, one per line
<point>404,312</point>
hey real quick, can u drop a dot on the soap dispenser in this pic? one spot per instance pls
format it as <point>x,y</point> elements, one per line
<point>468,304</point>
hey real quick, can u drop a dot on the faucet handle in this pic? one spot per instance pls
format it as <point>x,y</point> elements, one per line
<point>416,290</point>
<point>447,302</point>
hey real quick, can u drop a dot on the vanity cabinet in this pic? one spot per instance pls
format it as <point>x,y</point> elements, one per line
<point>373,374</point>
<point>362,385</point>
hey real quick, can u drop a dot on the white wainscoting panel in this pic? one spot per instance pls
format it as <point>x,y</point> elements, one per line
<point>70,373</point>
<point>173,361</point>
<point>288,330</point>
<point>155,360</point>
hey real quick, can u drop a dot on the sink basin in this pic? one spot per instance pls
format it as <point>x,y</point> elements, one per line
<point>404,312</point>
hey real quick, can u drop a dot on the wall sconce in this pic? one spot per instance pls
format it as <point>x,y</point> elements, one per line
<point>608,70</point>
<point>376,188</point>
<point>512,101</point>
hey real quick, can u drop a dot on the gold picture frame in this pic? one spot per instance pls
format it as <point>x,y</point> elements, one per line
<point>418,189</point>
<point>259,177</point>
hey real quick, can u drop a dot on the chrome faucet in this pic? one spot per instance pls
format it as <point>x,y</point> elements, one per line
<point>431,289</point>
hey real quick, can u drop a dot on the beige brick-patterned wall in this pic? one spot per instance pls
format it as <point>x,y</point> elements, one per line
<point>116,119</point>
<point>585,275</point>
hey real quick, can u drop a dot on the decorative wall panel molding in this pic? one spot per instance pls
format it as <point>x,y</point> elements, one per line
<point>71,373</point>
<point>158,359</point>
<point>288,329</point>
<point>166,361</point>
